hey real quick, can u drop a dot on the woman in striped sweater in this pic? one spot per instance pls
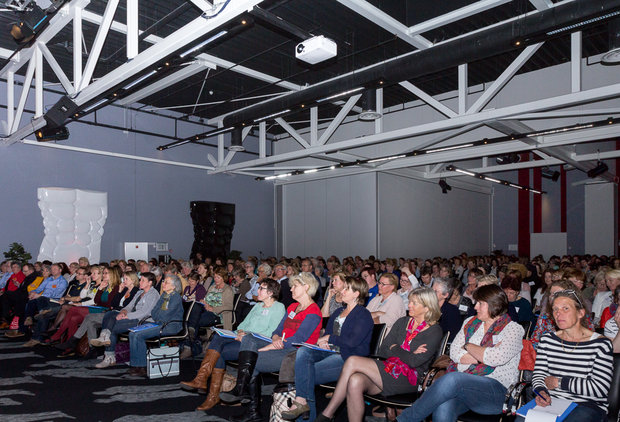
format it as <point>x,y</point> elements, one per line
<point>573,363</point>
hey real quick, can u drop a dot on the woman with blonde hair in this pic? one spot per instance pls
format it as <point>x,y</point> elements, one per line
<point>409,348</point>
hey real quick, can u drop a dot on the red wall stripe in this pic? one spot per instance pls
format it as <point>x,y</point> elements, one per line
<point>537,184</point>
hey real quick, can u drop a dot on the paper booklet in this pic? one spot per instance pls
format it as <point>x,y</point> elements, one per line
<point>557,411</point>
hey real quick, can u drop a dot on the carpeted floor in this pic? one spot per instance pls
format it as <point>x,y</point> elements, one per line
<point>35,385</point>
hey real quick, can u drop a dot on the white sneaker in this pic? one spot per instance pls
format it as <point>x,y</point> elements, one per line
<point>102,340</point>
<point>108,360</point>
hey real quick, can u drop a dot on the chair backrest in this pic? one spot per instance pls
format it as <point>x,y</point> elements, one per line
<point>443,346</point>
<point>527,327</point>
<point>187,310</point>
<point>613,410</point>
<point>378,332</point>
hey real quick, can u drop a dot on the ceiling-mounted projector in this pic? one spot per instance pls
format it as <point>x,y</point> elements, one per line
<point>316,49</point>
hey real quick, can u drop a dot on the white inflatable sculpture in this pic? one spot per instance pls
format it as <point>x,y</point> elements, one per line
<point>73,220</point>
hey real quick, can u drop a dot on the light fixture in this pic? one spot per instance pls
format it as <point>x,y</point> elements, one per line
<point>47,134</point>
<point>451,167</point>
<point>583,23</point>
<point>369,106</point>
<point>272,115</point>
<point>202,44</point>
<point>431,151</point>
<point>549,174</point>
<point>511,158</point>
<point>140,79</point>
<point>236,141</point>
<point>600,168</point>
<point>94,106</point>
<point>340,94</point>
<point>445,187</point>
<point>612,57</point>
<point>29,25</point>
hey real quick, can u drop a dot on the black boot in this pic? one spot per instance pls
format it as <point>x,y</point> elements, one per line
<point>247,361</point>
<point>252,412</point>
<point>69,344</point>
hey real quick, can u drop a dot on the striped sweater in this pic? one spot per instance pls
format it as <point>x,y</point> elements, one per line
<point>585,368</point>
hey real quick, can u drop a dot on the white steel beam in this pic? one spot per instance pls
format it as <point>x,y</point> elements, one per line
<point>132,29</point>
<point>57,23</point>
<point>95,50</point>
<point>169,80</point>
<point>568,113</point>
<point>60,74</point>
<point>379,105</point>
<point>38,82</point>
<point>262,139</point>
<point>567,100</point>
<point>338,119</point>
<point>385,21</point>
<point>541,4</point>
<point>77,47</point>
<point>314,125</point>
<point>463,88</point>
<point>503,79</point>
<point>10,100</point>
<point>455,15</point>
<point>23,96</point>
<point>5,53</point>
<point>428,99</point>
<point>575,61</point>
<point>180,38</point>
<point>202,4</point>
<point>291,131</point>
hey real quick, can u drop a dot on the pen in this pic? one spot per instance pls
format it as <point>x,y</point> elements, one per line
<point>283,337</point>
<point>538,394</point>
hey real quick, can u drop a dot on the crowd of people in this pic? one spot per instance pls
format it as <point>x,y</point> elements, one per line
<point>313,318</point>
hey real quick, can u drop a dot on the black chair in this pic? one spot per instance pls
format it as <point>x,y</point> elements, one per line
<point>613,409</point>
<point>378,333</point>
<point>178,337</point>
<point>527,327</point>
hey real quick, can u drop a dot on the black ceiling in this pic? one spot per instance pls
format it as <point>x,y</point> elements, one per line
<point>269,50</point>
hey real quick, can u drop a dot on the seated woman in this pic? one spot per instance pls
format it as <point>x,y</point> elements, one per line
<point>610,311</point>
<point>117,322</point>
<point>348,332</point>
<point>387,307</point>
<point>333,300</point>
<point>216,307</point>
<point>263,319</point>
<point>113,293</point>
<point>544,323</point>
<point>573,363</point>
<point>521,307</point>
<point>450,319</point>
<point>485,359</point>
<point>167,313</point>
<point>84,278</point>
<point>410,348</point>
<point>302,323</point>
<point>405,288</point>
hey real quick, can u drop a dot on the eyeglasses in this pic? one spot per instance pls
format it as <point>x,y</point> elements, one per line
<point>385,284</point>
<point>564,293</point>
<point>262,288</point>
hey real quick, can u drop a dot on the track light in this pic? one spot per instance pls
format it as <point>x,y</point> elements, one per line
<point>600,168</point>
<point>369,106</point>
<point>451,167</point>
<point>47,134</point>
<point>29,25</point>
<point>548,174</point>
<point>508,158</point>
<point>203,44</point>
<point>445,187</point>
<point>236,141</point>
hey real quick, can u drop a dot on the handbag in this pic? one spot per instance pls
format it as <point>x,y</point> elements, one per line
<point>287,369</point>
<point>162,362</point>
<point>436,371</point>
<point>282,400</point>
<point>83,347</point>
<point>528,356</point>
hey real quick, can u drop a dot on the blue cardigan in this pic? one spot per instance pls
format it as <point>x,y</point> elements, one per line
<point>355,334</point>
<point>173,313</point>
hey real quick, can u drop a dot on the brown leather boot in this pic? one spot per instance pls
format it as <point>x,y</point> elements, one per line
<point>213,398</point>
<point>199,384</point>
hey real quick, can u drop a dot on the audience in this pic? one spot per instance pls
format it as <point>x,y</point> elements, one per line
<point>387,307</point>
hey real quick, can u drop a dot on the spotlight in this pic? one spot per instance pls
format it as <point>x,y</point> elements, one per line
<point>236,143</point>
<point>445,187</point>
<point>30,24</point>
<point>47,134</point>
<point>508,158</point>
<point>600,168</point>
<point>369,106</point>
<point>548,174</point>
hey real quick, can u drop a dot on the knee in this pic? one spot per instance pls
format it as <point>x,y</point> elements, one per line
<point>356,383</point>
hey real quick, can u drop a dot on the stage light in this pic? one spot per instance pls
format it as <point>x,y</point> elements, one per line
<point>445,187</point>
<point>600,168</point>
<point>548,174</point>
<point>236,141</point>
<point>369,106</point>
<point>47,134</point>
<point>29,25</point>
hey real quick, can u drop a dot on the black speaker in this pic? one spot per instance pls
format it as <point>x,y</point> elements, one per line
<point>213,228</point>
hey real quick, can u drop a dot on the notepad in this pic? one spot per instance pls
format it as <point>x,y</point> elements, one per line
<point>267,339</point>
<point>314,347</point>
<point>557,411</point>
<point>143,327</point>
<point>225,333</point>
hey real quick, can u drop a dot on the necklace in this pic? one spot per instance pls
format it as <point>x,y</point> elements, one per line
<point>576,342</point>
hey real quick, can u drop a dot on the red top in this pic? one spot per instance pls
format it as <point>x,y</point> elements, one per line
<point>291,325</point>
<point>15,281</point>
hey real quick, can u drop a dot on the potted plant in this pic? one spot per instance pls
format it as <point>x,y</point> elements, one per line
<point>17,253</point>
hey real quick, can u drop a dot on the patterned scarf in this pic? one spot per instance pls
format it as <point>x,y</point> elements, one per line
<point>613,308</point>
<point>166,299</point>
<point>394,366</point>
<point>487,341</point>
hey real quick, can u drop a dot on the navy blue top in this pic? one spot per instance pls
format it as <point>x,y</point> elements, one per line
<point>173,313</point>
<point>355,333</point>
<point>450,320</point>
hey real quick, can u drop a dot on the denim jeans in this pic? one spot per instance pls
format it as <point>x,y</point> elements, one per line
<point>137,343</point>
<point>228,348</point>
<point>116,328</point>
<point>581,413</point>
<point>314,367</point>
<point>454,394</point>
<point>268,361</point>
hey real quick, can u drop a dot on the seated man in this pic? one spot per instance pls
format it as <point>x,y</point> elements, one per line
<point>8,291</point>
<point>52,288</point>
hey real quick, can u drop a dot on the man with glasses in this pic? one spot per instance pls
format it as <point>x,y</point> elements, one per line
<point>307,267</point>
<point>286,297</point>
